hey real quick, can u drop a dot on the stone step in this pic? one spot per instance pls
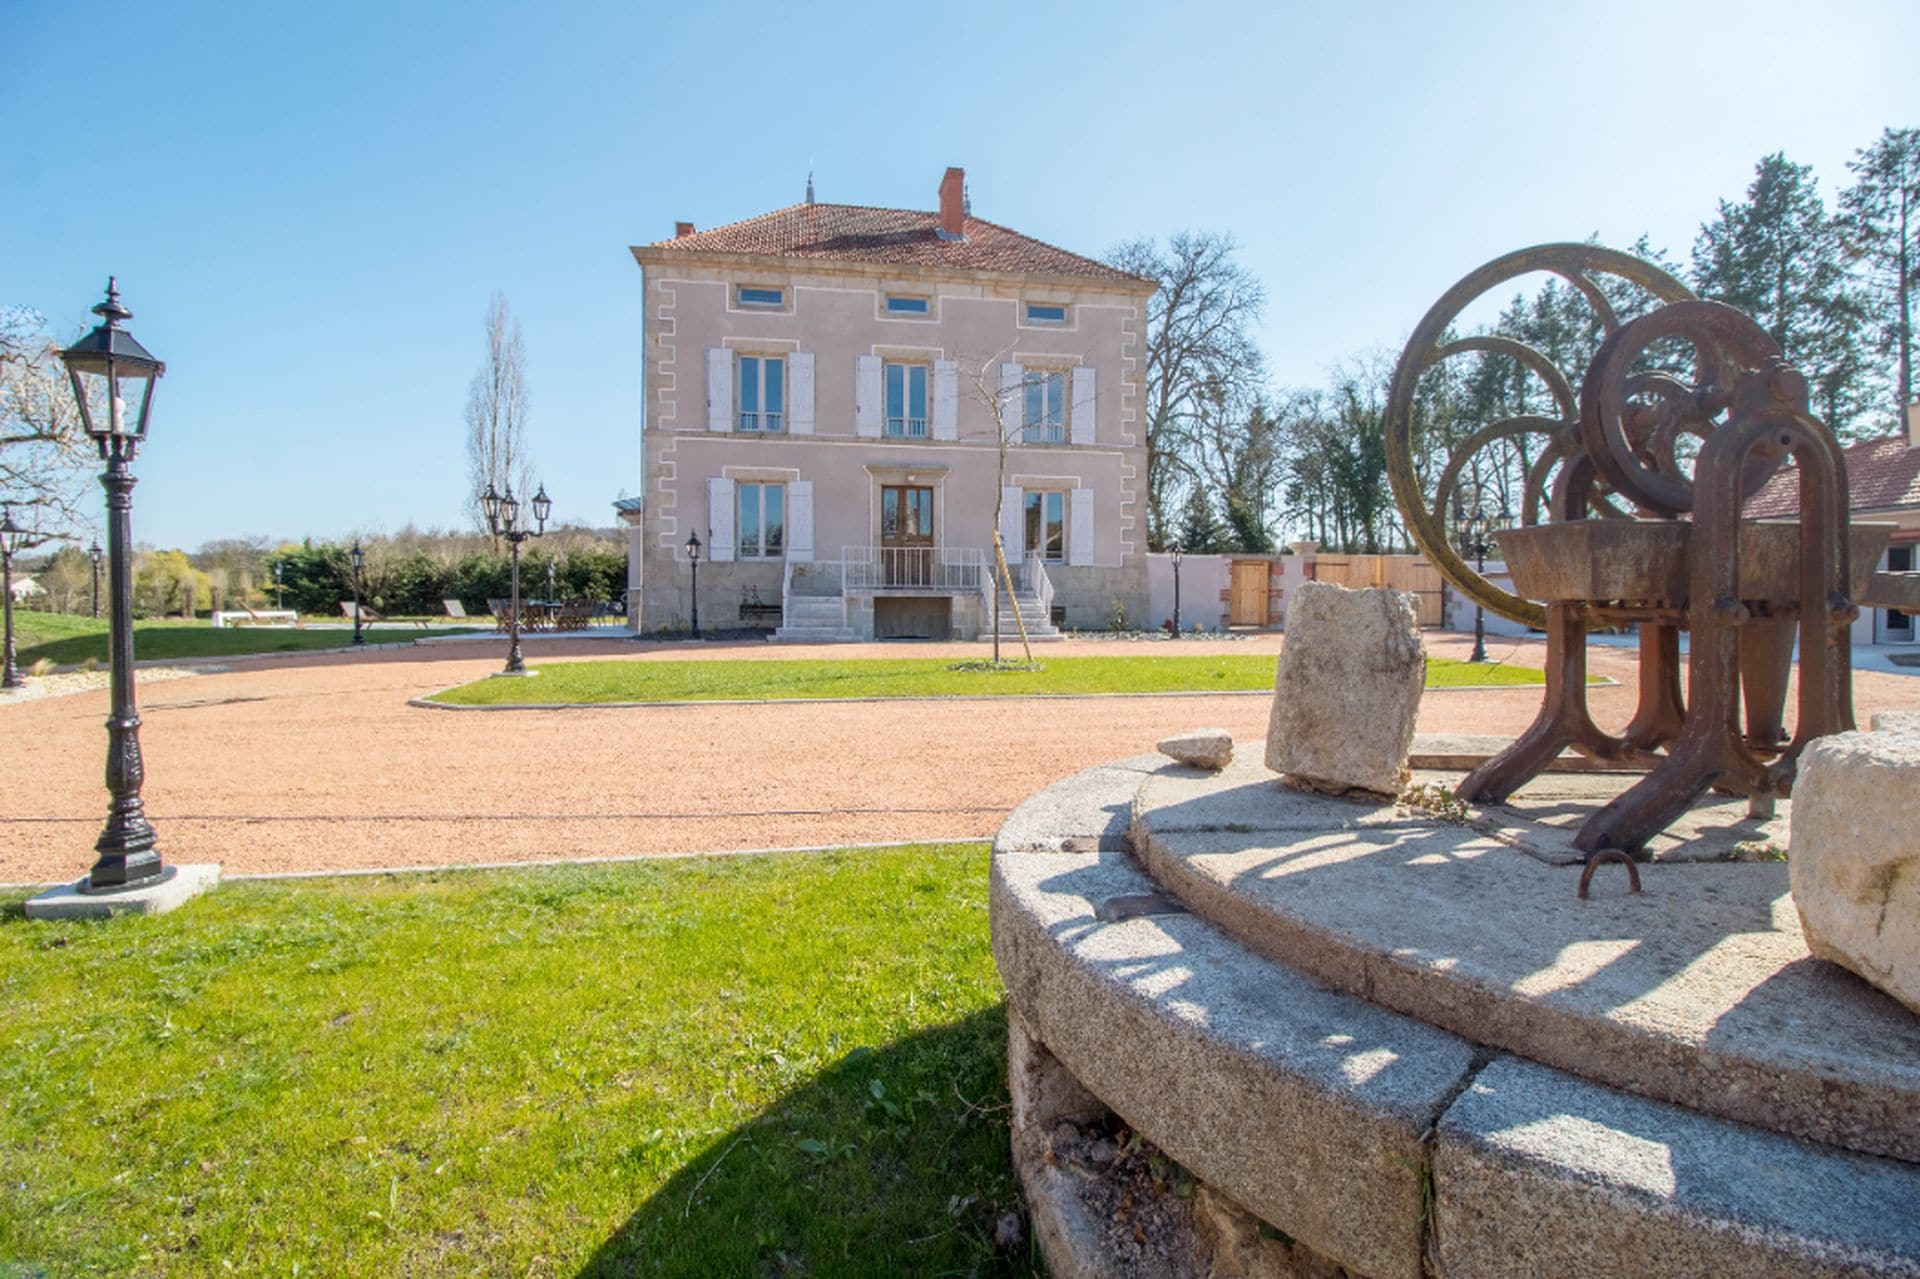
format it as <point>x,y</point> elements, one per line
<point>1362,1133</point>
<point>813,635</point>
<point>1459,926</point>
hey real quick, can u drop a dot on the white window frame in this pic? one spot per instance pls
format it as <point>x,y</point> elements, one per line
<point>754,493</point>
<point>1065,316</point>
<point>901,426</point>
<point>762,420</point>
<point>1051,425</point>
<point>777,303</point>
<point>1029,532</point>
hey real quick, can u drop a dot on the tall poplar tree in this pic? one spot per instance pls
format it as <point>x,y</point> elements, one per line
<point>1880,222</point>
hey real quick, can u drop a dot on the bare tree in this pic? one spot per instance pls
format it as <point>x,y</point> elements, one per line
<point>45,456</point>
<point>497,413</point>
<point>1006,426</point>
<point>1200,352</point>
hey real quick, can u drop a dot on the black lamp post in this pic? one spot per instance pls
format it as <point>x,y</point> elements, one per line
<point>113,379</point>
<point>503,518</point>
<point>93,553</point>
<point>1475,525</point>
<point>359,558</point>
<point>693,558</point>
<point>1177,553</point>
<point>13,540</point>
<point>279,594</point>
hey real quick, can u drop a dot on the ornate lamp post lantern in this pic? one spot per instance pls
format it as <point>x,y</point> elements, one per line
<point>693,558</point>
<point>13,540</point>
<point>359,558</point>
<point>113,379</point>
<point>1474,526</point>
<point>94,553</point>
<point>503,518</point>
<point>1177,554</point>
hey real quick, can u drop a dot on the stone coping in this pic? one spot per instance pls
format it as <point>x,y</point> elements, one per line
<point>1374,1139</point>
<point>1698,991</point>
<point>1535,1172</point>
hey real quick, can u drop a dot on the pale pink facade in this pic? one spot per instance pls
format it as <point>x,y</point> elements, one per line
<point>830,427</point>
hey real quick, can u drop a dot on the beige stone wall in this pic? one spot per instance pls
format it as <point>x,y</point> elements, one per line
<point>834,314</point>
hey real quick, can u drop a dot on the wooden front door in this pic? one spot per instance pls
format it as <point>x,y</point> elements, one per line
<point>906,535</point>
<point>1247,605</point>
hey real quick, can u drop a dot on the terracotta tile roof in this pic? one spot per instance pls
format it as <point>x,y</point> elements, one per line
<point>855,233</point>
<point>1881,473</point>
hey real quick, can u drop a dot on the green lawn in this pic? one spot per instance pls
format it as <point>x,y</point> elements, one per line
<point>66,639</point>
<point>768,1065</point>
<point>650,681</point>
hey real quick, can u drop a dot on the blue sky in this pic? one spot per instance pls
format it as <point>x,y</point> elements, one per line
<point>309,205</point>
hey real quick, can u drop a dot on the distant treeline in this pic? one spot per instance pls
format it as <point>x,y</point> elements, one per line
<point>409,573</point>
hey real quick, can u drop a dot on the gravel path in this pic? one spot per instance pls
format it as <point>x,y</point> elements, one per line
<point>310,762</point>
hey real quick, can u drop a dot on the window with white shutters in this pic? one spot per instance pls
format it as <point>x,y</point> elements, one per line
<point>906,391</point>
<point>763,393</point>
<point>1044,406</point>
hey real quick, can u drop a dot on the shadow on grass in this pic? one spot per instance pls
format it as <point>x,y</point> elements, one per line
<point>892,1161</point>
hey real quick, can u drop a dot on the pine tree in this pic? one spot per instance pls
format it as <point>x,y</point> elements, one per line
<point>1880,221</point>
<point>1201,532</point>
<point>1779,257</point>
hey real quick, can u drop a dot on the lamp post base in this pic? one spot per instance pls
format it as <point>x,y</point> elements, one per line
<point>78,900</point>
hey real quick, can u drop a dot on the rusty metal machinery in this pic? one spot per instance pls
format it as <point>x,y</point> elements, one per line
<point>1630,494</point>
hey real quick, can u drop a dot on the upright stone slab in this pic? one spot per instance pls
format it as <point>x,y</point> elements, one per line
<point>1853,861</point>
<point>1347,689</point>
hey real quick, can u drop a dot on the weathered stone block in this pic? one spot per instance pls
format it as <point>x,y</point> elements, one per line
<point>1536,1172</point>
<point>1201,747</point>
<point>1307,1106</point>
<point>1896,721</point>
<point>1347,689</point>
<point>1853,862</point>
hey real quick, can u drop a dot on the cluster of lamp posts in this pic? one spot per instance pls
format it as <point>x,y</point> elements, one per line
<point>113,379</point>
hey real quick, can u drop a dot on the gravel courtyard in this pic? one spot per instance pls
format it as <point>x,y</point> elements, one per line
<point>309,763</point>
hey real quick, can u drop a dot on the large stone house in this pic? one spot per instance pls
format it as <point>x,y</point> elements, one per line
<point>840,398</point>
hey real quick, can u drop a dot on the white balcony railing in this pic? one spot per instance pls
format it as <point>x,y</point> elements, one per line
<point>921,568</point>
<point>761,423</point>
<point>911,428</point>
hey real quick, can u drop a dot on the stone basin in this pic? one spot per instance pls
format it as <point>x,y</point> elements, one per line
<point>1645,561</point>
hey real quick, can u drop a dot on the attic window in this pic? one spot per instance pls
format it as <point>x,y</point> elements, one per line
<point>906,304</point>
<point>1046,313</point>
<point>760,296</point>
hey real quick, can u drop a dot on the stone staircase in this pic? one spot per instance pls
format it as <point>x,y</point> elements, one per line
<point>813,619</point>
<point>1040,628</point>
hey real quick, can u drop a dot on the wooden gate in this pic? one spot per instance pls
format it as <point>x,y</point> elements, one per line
<point>1409,573</point>
<point>1247,603</point>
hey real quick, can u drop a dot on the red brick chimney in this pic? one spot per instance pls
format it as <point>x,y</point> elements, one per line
<point>953,214</point>
<point>681,230</point>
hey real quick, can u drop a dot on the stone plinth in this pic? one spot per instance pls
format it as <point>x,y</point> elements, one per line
<point>178,886</point>
<point>1854,857</point>
<point>1347,689</point>
<point>1303,1002</point>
